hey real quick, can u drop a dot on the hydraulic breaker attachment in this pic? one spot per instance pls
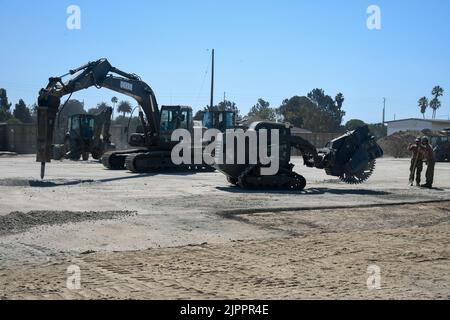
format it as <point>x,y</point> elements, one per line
<point>46,116</point>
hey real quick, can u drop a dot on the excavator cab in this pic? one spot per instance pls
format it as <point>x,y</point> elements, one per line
<point>171,119</point>
<point>219,119</point>
<point>81,126</point>
<point>175,117</point>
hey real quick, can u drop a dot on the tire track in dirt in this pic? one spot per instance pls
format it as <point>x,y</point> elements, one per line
<point>413,258</point>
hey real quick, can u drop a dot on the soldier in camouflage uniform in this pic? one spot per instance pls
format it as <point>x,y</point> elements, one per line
<point>416,162</point>
<point>429,157</point>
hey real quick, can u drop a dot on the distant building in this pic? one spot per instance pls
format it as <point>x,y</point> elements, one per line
<point>414,124</point>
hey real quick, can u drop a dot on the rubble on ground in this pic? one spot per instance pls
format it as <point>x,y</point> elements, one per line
<point>21,221</point>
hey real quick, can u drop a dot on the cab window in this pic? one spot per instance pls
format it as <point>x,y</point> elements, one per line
<point>166,120</point>
<point>75,123</point>
<point>207,121</point>
<point>184,119</point>
<point>229,120</point>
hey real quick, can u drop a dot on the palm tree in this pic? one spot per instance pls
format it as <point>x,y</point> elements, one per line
<point>437,91</point>
<point>423,104</point>
<point>435,103</point>
<point>114,100</point>
<point>124,107</point>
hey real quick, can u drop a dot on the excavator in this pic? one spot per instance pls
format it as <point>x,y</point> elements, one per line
<point>152,146</point>
<point>87,134</point>
<point>350,157</point>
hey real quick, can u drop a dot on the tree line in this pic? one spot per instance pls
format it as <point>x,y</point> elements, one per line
<point>21,113</point>
<point>317,112</point>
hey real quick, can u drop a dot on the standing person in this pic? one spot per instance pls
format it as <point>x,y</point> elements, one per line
<point>430,159</point>
<point>416,162</point>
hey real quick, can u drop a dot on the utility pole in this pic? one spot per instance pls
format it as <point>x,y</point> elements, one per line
<point>384,110</point>
<point>212,82</point>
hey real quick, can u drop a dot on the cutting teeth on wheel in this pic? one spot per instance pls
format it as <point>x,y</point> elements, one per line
<point>360,176</point>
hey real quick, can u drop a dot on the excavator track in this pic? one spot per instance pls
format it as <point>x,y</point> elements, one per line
<point>156,161</point>
<point>285,180</point>
<point>115,160</point>
<point>148,161</point>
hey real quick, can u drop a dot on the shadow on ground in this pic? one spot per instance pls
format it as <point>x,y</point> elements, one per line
<point>61,183</point>
<point>50,184</point>
<point>309,191</point>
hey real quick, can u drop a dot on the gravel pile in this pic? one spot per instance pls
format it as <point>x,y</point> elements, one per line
<point>20,221</point>
<point>396,145</point>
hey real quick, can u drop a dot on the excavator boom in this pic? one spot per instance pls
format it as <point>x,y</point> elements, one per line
<point>100,74</point>
<point>101,137</point>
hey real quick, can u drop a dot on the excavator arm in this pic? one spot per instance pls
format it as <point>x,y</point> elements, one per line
<point>101,137</point>
<point>99,74</point>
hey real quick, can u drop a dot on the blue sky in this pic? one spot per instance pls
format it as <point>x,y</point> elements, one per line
<point>269,49</point>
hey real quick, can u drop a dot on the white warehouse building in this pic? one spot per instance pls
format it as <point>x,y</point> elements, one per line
<point>414,124</point>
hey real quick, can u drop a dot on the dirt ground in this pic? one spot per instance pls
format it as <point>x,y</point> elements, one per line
<point>193,236</point>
